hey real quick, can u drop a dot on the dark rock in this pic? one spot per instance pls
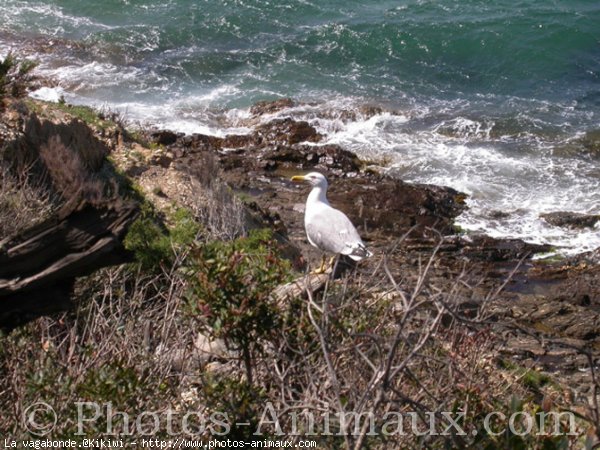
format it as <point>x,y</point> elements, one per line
<point>287,131</point>
<point>312,158</point>
<point>383,204</point>
<point>161,160</point>
<point>283,154</point>
<point>164,137</point>
<point>491,249</point>
<point>268,165</point>
<point>328,157</point>
<point>239,140</point>
<point>571,219</point>
<point>497,215</point>
<point>270,107</point>
<point>201,142</point>
<point>178,152</point>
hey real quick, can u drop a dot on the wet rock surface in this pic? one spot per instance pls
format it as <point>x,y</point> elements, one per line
<point>571,219</point>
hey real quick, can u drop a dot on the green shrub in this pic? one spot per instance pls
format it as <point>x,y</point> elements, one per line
<point>232,284</point>
<point>155,245</point>
<point>14,75</point>
<point>239,401</point>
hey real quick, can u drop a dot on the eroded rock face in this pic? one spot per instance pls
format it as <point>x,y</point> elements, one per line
<point>270,107</point>
<point>571,219</point>
<point>383,205</point>
<point>74,134</point>
<point>287,131</point>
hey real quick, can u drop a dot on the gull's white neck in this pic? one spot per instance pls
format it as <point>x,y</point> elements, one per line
<point>317,194</point>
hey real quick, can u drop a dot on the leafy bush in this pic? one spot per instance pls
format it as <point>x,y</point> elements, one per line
<point>238,400</point>
<point>14,75</point>
<point>232,283</point>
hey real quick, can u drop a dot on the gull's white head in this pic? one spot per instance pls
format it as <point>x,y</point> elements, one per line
<point>316,179</point>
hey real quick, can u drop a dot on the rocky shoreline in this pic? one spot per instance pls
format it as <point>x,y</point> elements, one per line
<point>544,314</point>
<point>548,311</point>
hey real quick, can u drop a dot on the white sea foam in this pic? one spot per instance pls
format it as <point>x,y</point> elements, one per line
<point>48,94</point>
<point>81,77</point>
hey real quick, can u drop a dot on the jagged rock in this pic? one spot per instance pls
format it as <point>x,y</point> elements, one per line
<point>270,107</point>
<point>571,219</point>
<point>498,215</point>
<point>383,204</point>
<point>165,137</point>
<point>490,249</point>
<point>240,140</point>
<point>287,131</point>
<point>199,141</point>
<point>161,160</point>
<point>328,157</point>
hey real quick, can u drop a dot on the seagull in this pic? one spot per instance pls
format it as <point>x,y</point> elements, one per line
<point>327,228</point>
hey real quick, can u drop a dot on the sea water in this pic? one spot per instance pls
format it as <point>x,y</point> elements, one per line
<point>493,98</point>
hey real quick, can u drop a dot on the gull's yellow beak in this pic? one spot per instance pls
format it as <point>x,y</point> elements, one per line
<point>298,178</point>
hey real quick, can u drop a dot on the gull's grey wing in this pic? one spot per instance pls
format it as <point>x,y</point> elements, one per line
<point>331,231</point>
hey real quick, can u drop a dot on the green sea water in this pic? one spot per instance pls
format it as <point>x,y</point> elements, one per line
<point>382,50</point>
<point>491,97</point>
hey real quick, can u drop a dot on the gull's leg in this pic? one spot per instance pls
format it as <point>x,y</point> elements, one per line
<point>334,265</point>
<point>322,267</point>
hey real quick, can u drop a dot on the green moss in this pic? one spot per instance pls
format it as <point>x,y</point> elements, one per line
<point>551,257</point>
<point>534,379</point>
<point>86,114</point>
<point>155,146</point>
<point>156,245</point>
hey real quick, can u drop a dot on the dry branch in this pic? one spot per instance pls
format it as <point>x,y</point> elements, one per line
<point>38,267</point>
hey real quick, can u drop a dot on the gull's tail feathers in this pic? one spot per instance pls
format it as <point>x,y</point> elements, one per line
<point>359,251</point>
